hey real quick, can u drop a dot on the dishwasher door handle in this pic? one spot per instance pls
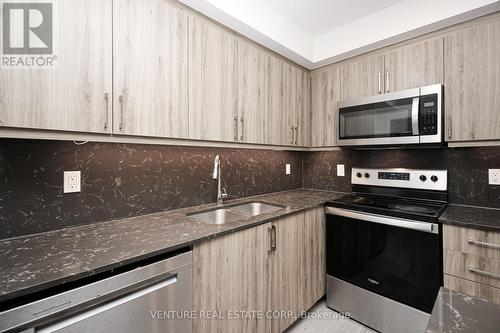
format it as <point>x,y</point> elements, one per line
<point>106,306</point>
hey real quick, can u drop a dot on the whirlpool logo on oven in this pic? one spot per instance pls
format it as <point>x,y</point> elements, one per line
<point>28,35</point>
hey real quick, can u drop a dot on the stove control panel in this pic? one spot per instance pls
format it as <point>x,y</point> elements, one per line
<point>436,180</point>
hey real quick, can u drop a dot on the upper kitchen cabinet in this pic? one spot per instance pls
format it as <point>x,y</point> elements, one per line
<point>325,92</point>
<point>150,69</point>
<point>362,77</point>
<point>296,106</point>
<point>250,121</point>
<point>212,82</point>
<point>472,82</point>
<point>74,94</point>
<point>415,65</point>
<point>276,120</point>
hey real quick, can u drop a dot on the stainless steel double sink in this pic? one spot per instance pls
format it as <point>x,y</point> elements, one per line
<point>235,213</point>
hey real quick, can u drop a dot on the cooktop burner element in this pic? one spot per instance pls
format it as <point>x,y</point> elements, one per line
<point>413,208</point>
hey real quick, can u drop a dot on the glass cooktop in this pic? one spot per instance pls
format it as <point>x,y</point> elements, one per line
<point>402,207</point>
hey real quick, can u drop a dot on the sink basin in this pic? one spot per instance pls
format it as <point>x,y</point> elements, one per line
<point>255,208</point>
<point>235,213</point>
<point>218,216</point>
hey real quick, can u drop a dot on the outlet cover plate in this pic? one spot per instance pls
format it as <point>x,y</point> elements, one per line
<point>340,170</point>
<point>72,181</point>
<point>288,169</point>
<point>494,176</point>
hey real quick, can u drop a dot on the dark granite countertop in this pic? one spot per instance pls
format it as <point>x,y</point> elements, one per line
<point>457,312</point>
<point>32,263</point>
<point>471,216</point>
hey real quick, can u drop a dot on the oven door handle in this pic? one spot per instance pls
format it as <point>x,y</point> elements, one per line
<point>414,115</point>
<point>392,221</point>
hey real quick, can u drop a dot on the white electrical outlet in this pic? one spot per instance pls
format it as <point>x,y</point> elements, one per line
<point>340,170</point>
<point>494,176</point>
<point>72,181</point>
<point>288,169</point>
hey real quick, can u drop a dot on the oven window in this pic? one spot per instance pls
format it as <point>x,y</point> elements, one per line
<point>377,120</point>
<point>397,263</point>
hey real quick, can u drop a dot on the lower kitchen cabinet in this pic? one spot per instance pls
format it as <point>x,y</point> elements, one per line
<point>472,261</point>
<point>272,272</point>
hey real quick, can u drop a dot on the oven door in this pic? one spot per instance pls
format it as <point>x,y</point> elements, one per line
<point>383,119</point>
<point>395,258</point>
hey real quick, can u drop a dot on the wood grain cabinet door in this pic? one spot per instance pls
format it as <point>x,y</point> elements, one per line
<point>250,121</point>
<point>303,109</point>
<point>212,81</point>
<point>150,68</point>
<point>472,82</point>
<point>325,92</point>
<point>362,77</point>
<point>414,65</point>
<point>231,274</point>
<point>74,94</point>
<point>275,92</point>
<point>297,266</point>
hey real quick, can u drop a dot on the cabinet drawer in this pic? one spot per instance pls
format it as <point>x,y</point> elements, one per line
<point>472,288</point>
<point>474,241</point>
<point>472,267</point>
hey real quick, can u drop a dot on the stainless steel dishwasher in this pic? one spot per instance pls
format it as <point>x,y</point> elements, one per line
<point>156,297</point>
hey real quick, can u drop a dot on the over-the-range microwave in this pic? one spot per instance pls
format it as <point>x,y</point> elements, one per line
<point>406,117</point>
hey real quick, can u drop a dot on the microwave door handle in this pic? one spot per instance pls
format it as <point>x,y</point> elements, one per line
<point>414,115</point>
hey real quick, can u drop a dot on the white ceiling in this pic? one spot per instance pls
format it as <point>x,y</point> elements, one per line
<point>314,33</point>
<point>316,17</point>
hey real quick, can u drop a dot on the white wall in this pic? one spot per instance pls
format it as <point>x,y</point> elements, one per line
<point>392,21</point>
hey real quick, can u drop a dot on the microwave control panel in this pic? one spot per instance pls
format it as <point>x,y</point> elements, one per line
<point>428,115</point>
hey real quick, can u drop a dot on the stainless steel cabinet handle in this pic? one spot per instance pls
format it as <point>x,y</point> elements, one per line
<point>106,99</point>
<point>379,82</point>
<point>449,127</point>
<point>293,135</point>
<point>120,99</point>
<point>478,243</point>
<point>485,273</point>
<point>387,81</point>
<point>242,129</point>
<point>235,129</point>
<point>272,239</point>
<point>296,135</point>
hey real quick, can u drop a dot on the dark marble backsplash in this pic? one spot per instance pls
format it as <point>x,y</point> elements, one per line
<point>467,169</point>
<point>121,180</point>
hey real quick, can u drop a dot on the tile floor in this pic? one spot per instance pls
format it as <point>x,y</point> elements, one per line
<point>325,320</point>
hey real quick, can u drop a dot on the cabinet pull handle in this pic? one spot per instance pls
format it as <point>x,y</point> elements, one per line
<point>235,129</point>
<point>120,99</point>
<point>387,81</point>
<point>379,82</point>
<point>485,273</point>
<point>242,128</point>
<point>106,99</point>
<point>296,135</point>
<point>293,135</point>
<point>273,238</point>
<point>450,129</point>
<point>478,243</point>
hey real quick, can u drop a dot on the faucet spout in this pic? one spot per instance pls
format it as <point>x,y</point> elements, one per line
<point>217,174</point>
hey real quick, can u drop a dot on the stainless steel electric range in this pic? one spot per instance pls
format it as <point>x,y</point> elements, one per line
<point>384,248</point>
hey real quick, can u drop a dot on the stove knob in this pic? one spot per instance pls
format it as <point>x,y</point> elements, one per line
<point>359,175</point>
<point>434,178</point>
<point>423,178</point>
<point>367,175</point>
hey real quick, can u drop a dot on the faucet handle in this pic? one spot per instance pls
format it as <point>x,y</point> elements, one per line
<point>224,193</point>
